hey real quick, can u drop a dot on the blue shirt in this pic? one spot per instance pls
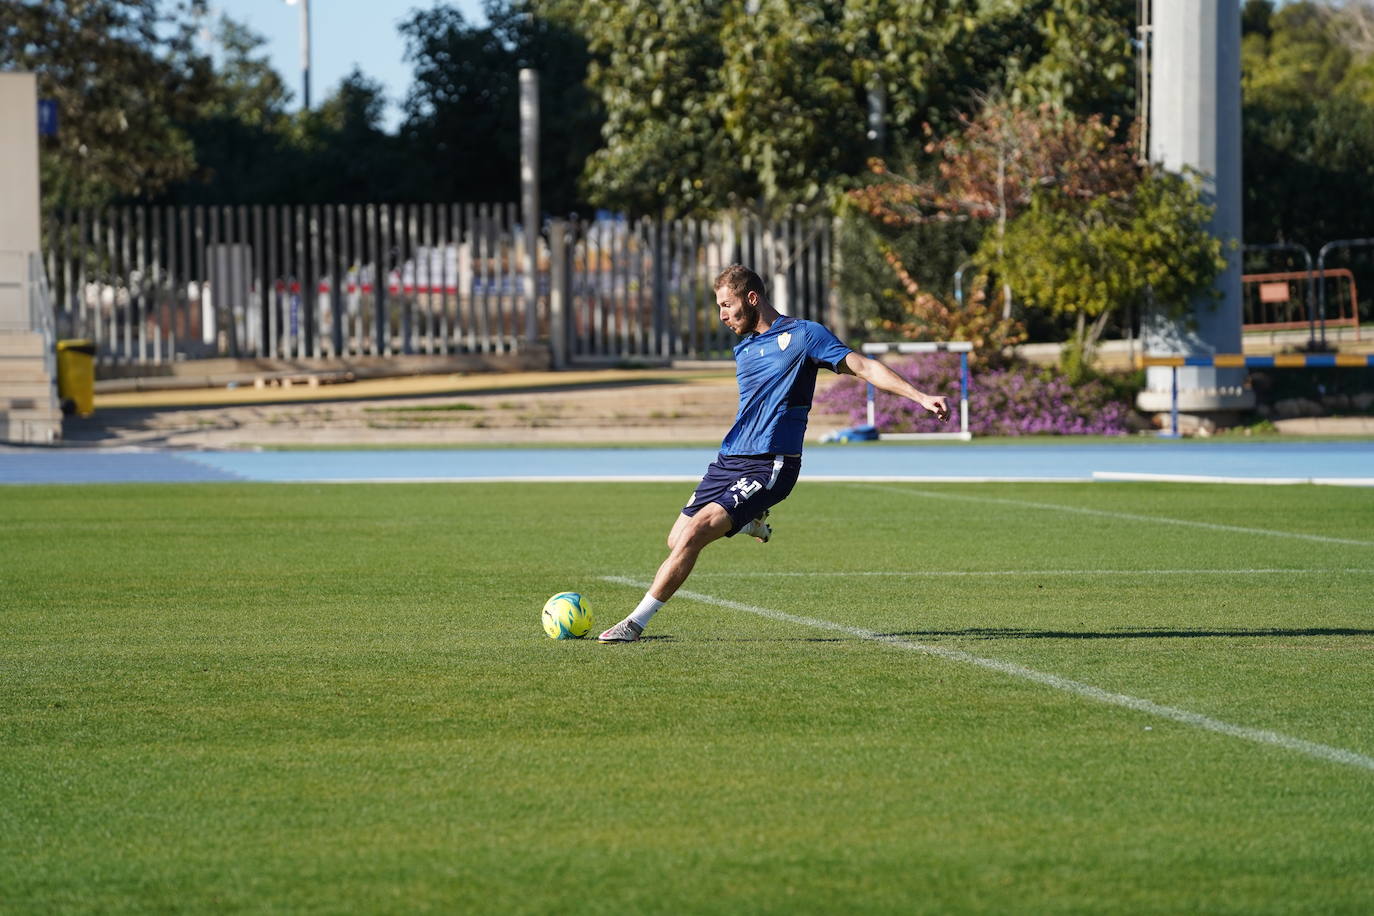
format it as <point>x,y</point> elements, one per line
<point>777,379</point>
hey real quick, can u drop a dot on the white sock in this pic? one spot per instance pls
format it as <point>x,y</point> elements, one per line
<point>648,607</point>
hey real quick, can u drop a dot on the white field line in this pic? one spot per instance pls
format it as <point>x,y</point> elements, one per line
<point>980,573</point>
<point>1125,516</point>
<point>1182,716</point>
<point>1205,478</point>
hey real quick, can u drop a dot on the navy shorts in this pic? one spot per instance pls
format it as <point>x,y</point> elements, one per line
<point>745,485</point>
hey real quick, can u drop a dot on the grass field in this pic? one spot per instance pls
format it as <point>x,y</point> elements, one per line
<point>918,698</point>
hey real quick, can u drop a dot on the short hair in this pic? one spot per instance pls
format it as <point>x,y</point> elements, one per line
<point>739,280</point>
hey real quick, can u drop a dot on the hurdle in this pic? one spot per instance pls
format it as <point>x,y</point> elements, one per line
<point>962,347</point>
<point>1241,361</point>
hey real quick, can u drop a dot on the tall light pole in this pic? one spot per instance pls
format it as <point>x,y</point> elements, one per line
<point>529,194</point>
<point>305,49</point>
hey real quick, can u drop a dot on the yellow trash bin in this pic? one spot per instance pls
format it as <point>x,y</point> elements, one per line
<point>76,376</point>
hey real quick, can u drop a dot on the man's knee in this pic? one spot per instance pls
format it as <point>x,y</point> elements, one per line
<point>711,523</point>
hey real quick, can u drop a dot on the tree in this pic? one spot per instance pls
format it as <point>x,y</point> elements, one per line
<point>250,149</point>
<point>462,112</point>
<point>991,169</point>
<point>125,80</point>
<point>240,130</point>
<point>1308,96</point>
<point>764,104</point>
<point>1092,257</point>
<point>349,157</point>
<point>1072,224</point>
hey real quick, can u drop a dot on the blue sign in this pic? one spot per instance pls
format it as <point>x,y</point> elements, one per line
<point>47,117</point>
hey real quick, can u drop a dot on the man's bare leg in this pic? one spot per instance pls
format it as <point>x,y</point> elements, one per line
<point>689,536</point>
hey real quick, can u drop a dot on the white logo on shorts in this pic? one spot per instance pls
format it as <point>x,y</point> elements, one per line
<point>745,488</point>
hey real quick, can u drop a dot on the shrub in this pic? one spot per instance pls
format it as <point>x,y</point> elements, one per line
<point>1018,400</point>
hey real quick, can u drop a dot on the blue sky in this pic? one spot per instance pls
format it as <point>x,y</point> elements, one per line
<point>343,33</point>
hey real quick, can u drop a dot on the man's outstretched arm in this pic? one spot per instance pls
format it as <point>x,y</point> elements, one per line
<point>880,376</point>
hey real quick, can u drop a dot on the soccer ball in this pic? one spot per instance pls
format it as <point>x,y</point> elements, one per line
<point>567,616</point>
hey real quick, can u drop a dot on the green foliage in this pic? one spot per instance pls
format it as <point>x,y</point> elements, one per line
<point>931,253</point>
<point>125,81</point>
<point>250,149</point>
<point>764,105</point>
<point>1088,61</point>
<point>1308,91</point>
<point>462,123</point>
<point>925,316</point>
<point>1089,257</point>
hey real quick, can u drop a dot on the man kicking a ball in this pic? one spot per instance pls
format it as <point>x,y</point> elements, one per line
<point>760,458</point>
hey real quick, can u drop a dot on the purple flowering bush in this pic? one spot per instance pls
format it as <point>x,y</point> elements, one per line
<point>1017,400</point>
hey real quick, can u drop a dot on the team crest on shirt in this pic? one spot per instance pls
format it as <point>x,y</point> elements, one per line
<point>784,340</point>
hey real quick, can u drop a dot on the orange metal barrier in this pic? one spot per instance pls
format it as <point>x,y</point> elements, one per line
<point>1270,303</point>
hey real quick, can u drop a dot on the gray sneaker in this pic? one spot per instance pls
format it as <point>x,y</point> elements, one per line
<point>625,631</point>
<point>759,528</point>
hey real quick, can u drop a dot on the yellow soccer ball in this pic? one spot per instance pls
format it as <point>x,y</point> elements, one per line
<point>567,616</point>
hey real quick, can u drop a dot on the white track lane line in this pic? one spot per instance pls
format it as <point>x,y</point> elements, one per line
<point>1125,516</point>
<point>1088,691</point>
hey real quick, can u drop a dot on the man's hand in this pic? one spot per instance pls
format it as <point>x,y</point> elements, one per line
<point>936,405</point>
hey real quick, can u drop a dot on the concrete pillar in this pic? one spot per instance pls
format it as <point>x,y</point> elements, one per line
<point>1195,122</point>
<point>20,235</point>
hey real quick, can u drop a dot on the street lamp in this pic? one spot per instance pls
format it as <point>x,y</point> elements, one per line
<point>305,48</point>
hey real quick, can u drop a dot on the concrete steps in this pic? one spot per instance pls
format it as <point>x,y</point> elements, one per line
<point>30,413</point>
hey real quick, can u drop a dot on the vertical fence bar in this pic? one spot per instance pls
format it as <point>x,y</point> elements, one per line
<point>258,296</point>
<point>624,312</point>
<point>284,279</point>
<point>272,288</point>
<point>65,299</point>
<point>80,303</point>
<point>481,232</point>
<point>488,328</point>
<point>213,253</point>
<point>300,309</point>
<point>187,328</point>
<point>383,284</point>
<point>594,315</point>
<point>595,286</point>
<point>501,276</point>
<point>405,303</point>
<point>335,230</point>
<point>419,298</point>
<point>359,272</point>
<point>320,319</point>
<point>173,219</point>
<point>155,282</point>
<point>512,293</point>
<point>444,240</point>
<point>143,308</point>
<point>110,322</point>
<point>243,284</point>
<point>467,293</point>
<point>639,239</point>
<point>123,280</point>
<point>200,273</point>
<point>425,299</point>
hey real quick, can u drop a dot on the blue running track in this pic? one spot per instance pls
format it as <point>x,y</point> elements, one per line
<point>1277,462</point>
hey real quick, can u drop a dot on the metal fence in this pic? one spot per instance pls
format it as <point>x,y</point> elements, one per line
<point>154,285</point>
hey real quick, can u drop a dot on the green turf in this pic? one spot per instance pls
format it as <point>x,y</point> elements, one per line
<point>297,698</point>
